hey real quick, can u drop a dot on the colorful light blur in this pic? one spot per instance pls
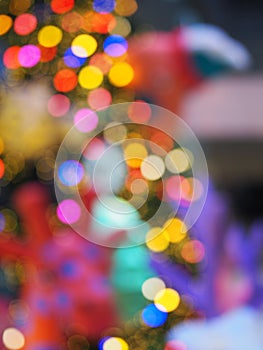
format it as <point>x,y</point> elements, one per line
<point>121,74</point>
<point>5,24</point>
<point>84,54</point>
<point>68,211</point>
<point>65,80</point>
<point>72,60</point>
<point>58,105</point>
<point>50,36</point>
<point>29,56</point>
<point>153,317</point>
<point>84,45</point>
<point>114,343</point>
<point>13,339</point>
<point>90,77</point>
<point>115,45</point>
<point>103,6</point>
<point>86,120</point>
<point>151,287</point>
<point>60,7</point>
<point>157,239</point>
<point>99,98</point>
<point>167,300</point>
<point>71,173</point>
<point>193,251</point>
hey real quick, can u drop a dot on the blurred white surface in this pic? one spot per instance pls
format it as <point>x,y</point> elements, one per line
<point>228,107</point>
<point>240,329</point>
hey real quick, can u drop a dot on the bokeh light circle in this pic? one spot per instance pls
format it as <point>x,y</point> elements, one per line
<point>139,111</point>
<point>50,36</point>
<point>90,77</point>
<point>99,98</point>
<point>176,230</point>
<point>101,22</point>
<point>95,149</point>
<point>177,161</point>
<point>157,239</point>
<point>71,60</point>
<point>10,57</point>
<point>68,211</point>
<point>152,167</point>
<point>86,120</point>
<point>71,172</point>
<point>29,56</point>
<point>104,6</point>
<point>126,7</point>
<point>120,26</point>
<point>62,6</point>
<point>151,287</point>
<point>115,343</point>
<point>121,74</point>
<point>47,53</point>
<point>193,251</point>
<point>84,45</point>
<point>13,339</point>
<point>58,105</point>
<point>167,300</point>
<point>5,24</point>
<point>134,154</point>
<point>175,345</point>
<point>153,317</point>
<point>25,24</point>
<point>71,22</point>
<point>17,7</point>
<point>65,80</point>
<point>115,45</point>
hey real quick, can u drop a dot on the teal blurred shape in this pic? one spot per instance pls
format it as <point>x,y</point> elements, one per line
<point>131,267</point>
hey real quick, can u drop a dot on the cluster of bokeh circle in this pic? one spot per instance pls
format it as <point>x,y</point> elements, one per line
<point>83,50</point>
<point>140,166</point>
<point>146,169</point>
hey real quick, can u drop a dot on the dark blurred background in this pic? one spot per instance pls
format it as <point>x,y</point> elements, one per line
<point>242,19</point>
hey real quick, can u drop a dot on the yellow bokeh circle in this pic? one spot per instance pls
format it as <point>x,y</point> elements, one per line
<point>177,161</point>
<point>176,230</point>
<point>157,239</point>
<point>84,45</point>
<point>121,74</point>
<point>5,24</point>
<point>90,77</point>
<point>50,36</point>
<point>134,154</point>
<point>167,300</point>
